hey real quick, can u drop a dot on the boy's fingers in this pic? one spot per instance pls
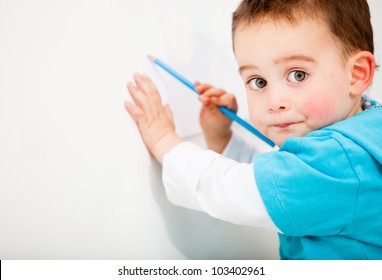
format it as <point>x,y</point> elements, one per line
<point>229,101</point>
<point>153,100</point>
<point>142,84</point>
<point>145,84</point>
<point>201,88</point>
<point>210,92</point>
<point>209,105</point>
<point>138,96</point>
<point>143,101</point>
<point>149,84</point>
<point>134,111</point>
<point>205,101</point>
<point>209,102</point>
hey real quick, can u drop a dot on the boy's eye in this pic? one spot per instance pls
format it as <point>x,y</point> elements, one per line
<point>297,76</point>
<point>257,83</point>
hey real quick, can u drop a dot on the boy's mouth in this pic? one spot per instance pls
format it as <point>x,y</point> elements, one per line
<point>284,125</point>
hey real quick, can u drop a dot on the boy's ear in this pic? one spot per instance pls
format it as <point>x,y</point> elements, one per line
<point>362,72</point>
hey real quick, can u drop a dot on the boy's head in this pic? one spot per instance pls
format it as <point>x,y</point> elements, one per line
<point>305,63</point>
<point>348,20</point>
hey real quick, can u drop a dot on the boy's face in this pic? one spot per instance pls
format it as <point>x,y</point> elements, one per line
<point>295,77</point>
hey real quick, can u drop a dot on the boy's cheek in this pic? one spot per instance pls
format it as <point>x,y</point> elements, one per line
<point>257,111</point>
<point>320,111</point>
<point>257,119</point>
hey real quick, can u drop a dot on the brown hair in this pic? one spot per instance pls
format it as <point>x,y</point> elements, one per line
<point>348,20</point>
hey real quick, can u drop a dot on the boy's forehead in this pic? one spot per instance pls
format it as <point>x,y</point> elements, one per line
<point>281,25</point>
<point>283,36</point>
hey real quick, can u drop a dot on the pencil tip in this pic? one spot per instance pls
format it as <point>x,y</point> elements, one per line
<point>151,57</point>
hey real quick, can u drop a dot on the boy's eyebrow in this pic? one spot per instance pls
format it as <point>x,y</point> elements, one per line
<point>247,67</point>
<point>280,60</point>
<point>294,58</point>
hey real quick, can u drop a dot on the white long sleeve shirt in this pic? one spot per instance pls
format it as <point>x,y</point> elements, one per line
<point>223,187</point>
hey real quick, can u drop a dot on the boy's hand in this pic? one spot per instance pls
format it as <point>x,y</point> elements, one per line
<point>216,126</point>
<point>154,121</point>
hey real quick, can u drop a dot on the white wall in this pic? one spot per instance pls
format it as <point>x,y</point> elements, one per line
<point>376,8</point>
<point>75,179</point>
<point>76,182</point>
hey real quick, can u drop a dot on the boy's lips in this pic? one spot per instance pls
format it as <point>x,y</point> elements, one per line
<point>284,125</point>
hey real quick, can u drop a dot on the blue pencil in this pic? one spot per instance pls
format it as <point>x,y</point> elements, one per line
<point>229,113</point>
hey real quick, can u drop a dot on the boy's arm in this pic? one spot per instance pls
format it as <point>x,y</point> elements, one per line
<point>193,177</point>
<point>206,181</point>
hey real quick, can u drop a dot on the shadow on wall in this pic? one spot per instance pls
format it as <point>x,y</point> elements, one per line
<point>199,236</point>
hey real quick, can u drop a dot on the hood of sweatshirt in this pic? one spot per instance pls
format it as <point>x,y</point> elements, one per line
<point>365,129</point>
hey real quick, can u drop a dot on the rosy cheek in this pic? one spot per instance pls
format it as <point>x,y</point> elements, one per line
<point>319,112</point>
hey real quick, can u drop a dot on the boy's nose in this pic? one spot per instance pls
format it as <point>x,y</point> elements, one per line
<point>279,98</point>
<point>277,105</point>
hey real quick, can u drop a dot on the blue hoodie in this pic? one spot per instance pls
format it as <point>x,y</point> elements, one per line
<point>324,190</point>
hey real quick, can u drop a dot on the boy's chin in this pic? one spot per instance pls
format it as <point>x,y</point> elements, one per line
<point>279,140</point>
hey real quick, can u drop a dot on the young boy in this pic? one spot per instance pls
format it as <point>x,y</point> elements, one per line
<point>305,65</point>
